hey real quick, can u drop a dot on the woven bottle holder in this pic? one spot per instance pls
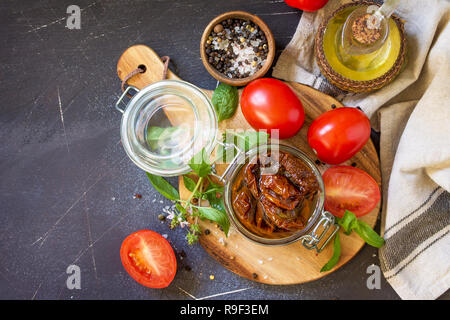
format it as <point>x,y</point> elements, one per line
<point>353,85</point>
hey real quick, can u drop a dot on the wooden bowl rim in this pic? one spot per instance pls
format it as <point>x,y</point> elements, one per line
<point>245,16</point>
<point>356,85</point>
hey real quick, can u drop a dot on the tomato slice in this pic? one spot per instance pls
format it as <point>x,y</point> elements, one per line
<point>149,259</point>
<point>349,188</point>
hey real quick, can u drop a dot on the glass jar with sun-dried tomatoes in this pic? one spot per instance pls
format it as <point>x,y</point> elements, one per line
<point>274,195</point>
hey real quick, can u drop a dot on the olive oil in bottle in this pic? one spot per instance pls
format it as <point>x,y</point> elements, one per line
<point>361,67</point>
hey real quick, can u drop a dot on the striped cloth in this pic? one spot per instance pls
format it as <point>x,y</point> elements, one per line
<point>413,116</point>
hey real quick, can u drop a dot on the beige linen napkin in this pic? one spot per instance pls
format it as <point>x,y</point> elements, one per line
<point>413,116</point>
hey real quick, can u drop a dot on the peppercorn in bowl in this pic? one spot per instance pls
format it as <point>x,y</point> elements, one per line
<point>237,47</point>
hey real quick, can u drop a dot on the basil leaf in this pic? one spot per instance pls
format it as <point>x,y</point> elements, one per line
<point>214,201</point>
<point>350,223</point>
<point>189,183</point>
<point>225,100</point>
<point>369,235</point>
<point>168,164</point>
<point>211,192</point>
<point>336,255</point>
<point>213,186</point>
<point>163,187</point>
<point>157,136</point>
<point>200,164</point>
<point>180,208</point>
<point>215,215</point>
<point>214,190</point>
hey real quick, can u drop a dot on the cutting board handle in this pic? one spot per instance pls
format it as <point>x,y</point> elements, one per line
<point>141,55</point>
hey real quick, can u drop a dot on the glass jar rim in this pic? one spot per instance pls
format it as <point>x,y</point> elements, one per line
<point>237,165</point>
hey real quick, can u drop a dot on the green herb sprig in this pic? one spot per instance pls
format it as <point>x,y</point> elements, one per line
<point>225,99</point>
<point>199,183</point>
<point>349,222</point>
<point>203,188</point>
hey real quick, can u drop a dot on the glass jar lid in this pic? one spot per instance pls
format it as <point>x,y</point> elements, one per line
<point>165,124</point>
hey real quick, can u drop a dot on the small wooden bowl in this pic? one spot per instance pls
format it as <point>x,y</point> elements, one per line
<point>244,16</point>
<point>352,85</point>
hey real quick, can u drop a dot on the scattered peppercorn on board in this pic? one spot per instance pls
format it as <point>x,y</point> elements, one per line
<point>283,265</point>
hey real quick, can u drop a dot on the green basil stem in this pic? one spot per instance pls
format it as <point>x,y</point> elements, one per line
<point>336,255</point>
<point>200,203</point>
<point>188,202</point>
<point>210,181</point>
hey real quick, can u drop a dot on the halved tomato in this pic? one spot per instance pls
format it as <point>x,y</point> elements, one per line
<point>349,188</point>
<point>149,259</point>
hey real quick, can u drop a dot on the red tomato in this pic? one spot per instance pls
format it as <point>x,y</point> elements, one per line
<point>149,259</point>
<point>337,135</point>
<point>350,188</point>
<point>306,5</point>
<point>270,104</point>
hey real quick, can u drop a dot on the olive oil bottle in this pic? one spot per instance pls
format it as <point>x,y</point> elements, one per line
<point>362,67</point>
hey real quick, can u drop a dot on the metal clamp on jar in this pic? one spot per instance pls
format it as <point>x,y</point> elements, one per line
<point>168,122</point>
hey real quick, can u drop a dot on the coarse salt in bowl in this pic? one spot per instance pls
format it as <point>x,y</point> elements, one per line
<point>239,54</point>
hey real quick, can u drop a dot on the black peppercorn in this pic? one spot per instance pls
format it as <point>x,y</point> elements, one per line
<point>240,35</point>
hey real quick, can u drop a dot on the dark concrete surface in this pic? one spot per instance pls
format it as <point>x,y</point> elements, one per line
<point>66,187</point>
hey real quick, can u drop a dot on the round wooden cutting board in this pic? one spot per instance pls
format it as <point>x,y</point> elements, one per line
<point>290,264</point>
